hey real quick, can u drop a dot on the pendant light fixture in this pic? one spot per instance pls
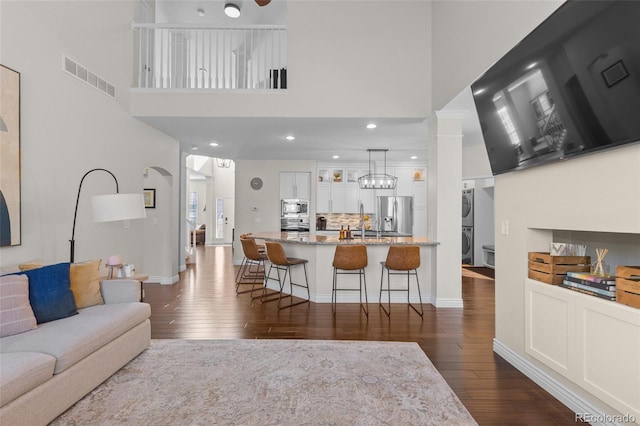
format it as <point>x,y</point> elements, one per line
<point>377,180</point>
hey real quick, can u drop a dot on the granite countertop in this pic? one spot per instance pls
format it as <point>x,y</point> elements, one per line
<point>311,238</point>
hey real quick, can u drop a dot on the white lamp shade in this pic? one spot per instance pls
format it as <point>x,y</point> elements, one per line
<point>111,207</point>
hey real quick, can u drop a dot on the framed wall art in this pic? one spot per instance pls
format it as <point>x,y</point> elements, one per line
<point>149,198</point>
<point>10,210</point>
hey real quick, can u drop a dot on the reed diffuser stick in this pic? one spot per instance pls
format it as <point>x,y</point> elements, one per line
<point>600,254</point>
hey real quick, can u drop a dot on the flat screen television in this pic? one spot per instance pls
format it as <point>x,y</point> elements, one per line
<point>571,87</point>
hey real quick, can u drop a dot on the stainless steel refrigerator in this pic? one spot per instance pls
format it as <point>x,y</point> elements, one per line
<point>395,214</point>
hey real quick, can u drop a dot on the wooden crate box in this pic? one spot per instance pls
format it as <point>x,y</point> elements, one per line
<point>553,269</point>
<point>628,285</point>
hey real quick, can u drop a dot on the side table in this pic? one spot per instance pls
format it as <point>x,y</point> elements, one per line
<point>138,277</point>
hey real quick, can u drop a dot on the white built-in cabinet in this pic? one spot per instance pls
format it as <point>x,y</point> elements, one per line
<point>295,185</point>
<point>338,191</point>
<point>595,343</point>
<point>330,190</point>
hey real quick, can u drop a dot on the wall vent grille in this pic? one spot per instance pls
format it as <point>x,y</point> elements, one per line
<point>82,73</point>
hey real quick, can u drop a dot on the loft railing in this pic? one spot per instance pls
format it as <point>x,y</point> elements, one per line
<point>174,56</point>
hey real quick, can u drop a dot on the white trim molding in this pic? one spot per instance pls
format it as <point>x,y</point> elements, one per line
<point>155,279</point>
<point>449,303</point>
<point>563,394</point>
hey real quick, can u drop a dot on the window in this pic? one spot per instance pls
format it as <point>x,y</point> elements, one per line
<point>192,206</point>
<point>508,125</point>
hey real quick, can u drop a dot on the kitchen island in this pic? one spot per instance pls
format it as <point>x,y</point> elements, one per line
<point>319,251</point>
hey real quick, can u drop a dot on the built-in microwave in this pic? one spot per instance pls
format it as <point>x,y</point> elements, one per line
<point>294,207</point>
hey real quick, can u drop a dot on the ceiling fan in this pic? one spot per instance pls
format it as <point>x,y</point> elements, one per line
<point>263,2</point>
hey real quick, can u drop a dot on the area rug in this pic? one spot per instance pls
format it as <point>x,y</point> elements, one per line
<point>273,382</point>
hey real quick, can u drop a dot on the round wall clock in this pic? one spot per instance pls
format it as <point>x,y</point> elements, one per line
<point>256,183</point>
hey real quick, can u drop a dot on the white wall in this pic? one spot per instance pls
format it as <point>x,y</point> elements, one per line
<point>475,161</point>
<point>538,202</point>
<point>470,35</point>
<point>160,229</point>
<point>340,63</point>
<point>265,200</point>
<point>69,128</point>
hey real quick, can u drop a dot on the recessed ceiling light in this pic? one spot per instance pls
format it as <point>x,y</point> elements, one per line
<point>290,138</point>
<point>194,148</point>
<point>371,126</point>
<point>532,65</point>
<point>231,10</point>
<point>200,12</point>
<point>335,157</point>
<point>414,157</point>
<point>214,144</point>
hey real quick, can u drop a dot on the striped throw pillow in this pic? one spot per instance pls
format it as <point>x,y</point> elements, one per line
<point>16,315</point>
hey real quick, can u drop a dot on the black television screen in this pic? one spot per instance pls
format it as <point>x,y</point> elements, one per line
<point>571,87</point>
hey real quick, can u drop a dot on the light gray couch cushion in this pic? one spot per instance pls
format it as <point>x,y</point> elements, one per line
<point>22,371</point>
<point>71,339</point>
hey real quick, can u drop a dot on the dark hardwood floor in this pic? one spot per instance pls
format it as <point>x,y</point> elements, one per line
<point>204,305</point>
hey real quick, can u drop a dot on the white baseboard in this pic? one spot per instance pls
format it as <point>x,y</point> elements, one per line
<point>163,280</point>
<point>449,303</point>
<point>563,394</point>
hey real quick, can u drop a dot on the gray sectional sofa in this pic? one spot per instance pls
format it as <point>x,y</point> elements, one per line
<point>46,370</point>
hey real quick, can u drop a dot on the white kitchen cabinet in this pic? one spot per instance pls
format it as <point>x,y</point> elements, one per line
<point>405,180</point>
<point>295,185</point>
<point>323,199</point>
<point>411,181</point>
<point>338,204</point>
<point>338,190</point>
<point>419,221</point>
<point>354,196</point>
<point>330,198</point>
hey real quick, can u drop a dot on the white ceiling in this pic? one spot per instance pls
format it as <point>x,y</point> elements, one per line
<point>316,138</point>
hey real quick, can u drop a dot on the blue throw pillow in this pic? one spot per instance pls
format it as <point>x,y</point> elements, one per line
<point>50,294</point>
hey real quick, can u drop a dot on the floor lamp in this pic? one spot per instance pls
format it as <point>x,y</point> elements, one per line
<point>109,207</point>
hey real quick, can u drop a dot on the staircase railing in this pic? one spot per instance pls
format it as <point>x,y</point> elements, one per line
<point>179,56</point>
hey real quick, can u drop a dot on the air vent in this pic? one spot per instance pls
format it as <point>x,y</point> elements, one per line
<point>82,73</point>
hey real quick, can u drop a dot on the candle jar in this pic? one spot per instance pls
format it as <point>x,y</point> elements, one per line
<point>600,268</point>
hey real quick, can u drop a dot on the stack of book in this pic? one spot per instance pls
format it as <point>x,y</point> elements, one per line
<point>591,284</point>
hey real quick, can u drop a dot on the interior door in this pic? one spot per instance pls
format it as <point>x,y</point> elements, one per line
<point>228,220</point>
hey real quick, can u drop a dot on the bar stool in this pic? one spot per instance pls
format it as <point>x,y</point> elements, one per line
<point>261,250</point>
<point>350,260</point>
<point>252,258</point>
<point>282,263</point>
<point>405,260</point>
<point>261,247</point>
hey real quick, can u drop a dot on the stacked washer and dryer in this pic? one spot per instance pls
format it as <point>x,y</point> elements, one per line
<point>467,226</point>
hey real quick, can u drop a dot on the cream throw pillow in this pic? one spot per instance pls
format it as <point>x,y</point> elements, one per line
<point>27,266</point>
<point>16,315</point>
<point>85,283</point>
